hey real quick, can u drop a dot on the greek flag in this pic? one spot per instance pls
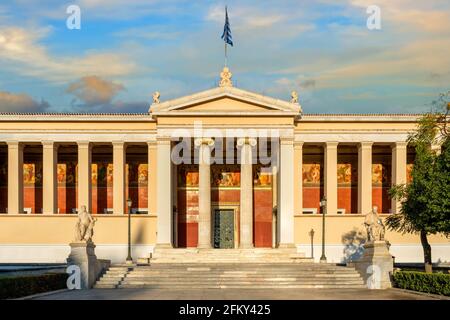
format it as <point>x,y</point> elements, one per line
<point>226,36</point>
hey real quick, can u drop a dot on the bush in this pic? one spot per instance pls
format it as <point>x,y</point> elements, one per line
<point>24,286</point>
<point>437,283</point>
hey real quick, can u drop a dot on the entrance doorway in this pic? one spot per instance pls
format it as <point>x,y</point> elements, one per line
<point>224,237</point>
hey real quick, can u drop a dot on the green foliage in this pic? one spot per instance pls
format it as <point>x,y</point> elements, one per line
<point>436,283</point>
<point>425,202</point>
<point>24,286</point>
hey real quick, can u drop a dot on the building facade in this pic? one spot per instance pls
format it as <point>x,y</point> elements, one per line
<point>223,168</point>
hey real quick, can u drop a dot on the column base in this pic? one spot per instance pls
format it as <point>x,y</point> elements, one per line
<point>163,246</point>
<point>204,246</point>
<point>246,246</point>
<point>287,246</point>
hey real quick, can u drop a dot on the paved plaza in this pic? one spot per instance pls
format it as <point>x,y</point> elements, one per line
<point>233,294</point>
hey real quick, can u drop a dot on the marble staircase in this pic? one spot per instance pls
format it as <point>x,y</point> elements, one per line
<point>254,255</point>
<point>231,275</point>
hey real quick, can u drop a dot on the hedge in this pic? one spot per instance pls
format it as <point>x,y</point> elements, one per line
<point>27,285</point>
<point>437,283</point>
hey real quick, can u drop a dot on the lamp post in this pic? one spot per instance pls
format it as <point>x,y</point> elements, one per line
<point>323,205</point>
<point>311,234</point>
<point>129,258</point>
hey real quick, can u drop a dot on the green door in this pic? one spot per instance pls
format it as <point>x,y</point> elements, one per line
<point>224,228</point>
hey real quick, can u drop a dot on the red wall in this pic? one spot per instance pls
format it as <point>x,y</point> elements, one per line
<point>348,199</point>
<point>262,223</point>
<point>187,204</point>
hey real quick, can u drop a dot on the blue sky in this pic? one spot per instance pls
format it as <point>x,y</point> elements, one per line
<point>126,50</point>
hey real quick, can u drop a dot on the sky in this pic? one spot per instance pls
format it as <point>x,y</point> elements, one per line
<point>128,49</point>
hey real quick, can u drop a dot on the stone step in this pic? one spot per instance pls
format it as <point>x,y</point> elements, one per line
<point>105,286</point>
<point>235,274</point>
<point>203,261</point>
<point>240,281</point>
<point>295,286</point>
<point>143,261</point>
<point>246,275</point>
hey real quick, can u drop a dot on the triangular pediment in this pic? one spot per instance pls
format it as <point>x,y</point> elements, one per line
<point>225,101</point>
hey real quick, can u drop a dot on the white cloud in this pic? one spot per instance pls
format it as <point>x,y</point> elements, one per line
<point>22,51</point>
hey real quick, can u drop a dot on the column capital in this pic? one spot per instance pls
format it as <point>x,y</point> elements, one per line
<point>118,144</point>
<point>203,141</point>
<point>84,144</point>
<point>152,144</point>
<point>163,140</point>
<point>365,144</point>
<point>399,144</point>
<point>286,140</point>
<point>331,144</point>
<point>298,144</point>
<point>14,144</point>
<point>48,144</point>
<point>247,140</point>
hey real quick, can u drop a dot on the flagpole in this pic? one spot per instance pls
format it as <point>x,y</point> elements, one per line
<point>226,58</point>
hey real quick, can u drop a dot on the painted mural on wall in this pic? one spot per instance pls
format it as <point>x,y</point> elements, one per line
<point>311,173</point>
<point>227,175</point>
<point>347,173</point>
<point>32,174</point>
<point>409,168</point>
<point>67,173</point>
<point>381,174</point>
<point>188,176</point>
<point>262,176</point>
<point>137,173</point>
<point>102,174</point>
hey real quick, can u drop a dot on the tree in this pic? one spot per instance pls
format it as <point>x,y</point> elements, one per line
<point>425,202</point>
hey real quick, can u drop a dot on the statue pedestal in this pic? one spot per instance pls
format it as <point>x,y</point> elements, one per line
<point>83,255</point>
<point>376,265</point>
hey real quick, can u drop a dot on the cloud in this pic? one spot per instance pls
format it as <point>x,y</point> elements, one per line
<point>21,50</point>
<point>411,15</point>
<point>93,91</point>
<point>22,102</point>
<point>94,94</point>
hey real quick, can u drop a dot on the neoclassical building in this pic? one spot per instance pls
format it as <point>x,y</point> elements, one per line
<point>222,168</point>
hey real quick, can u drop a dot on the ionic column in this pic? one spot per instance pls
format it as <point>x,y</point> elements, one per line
<point>398,169</point>
<point>298,177</point>
<point>365,177</point>
<point>286,193</point>
<point>84,175</point>
<point>246,194</point>
<point>119,161</point>
<point>152,186</point>
<point>164,194</point>
<point>330,172</point>
<point>49,163</point>
<point>204,192</point>
<point>15,177</point>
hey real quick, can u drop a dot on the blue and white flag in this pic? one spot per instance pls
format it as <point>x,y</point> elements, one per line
<point>226,36</point>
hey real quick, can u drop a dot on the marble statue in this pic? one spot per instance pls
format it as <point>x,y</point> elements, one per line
<point>374,226</point>
<point>294,97</point>
<point>156,97</point>
<point>84,230</point>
